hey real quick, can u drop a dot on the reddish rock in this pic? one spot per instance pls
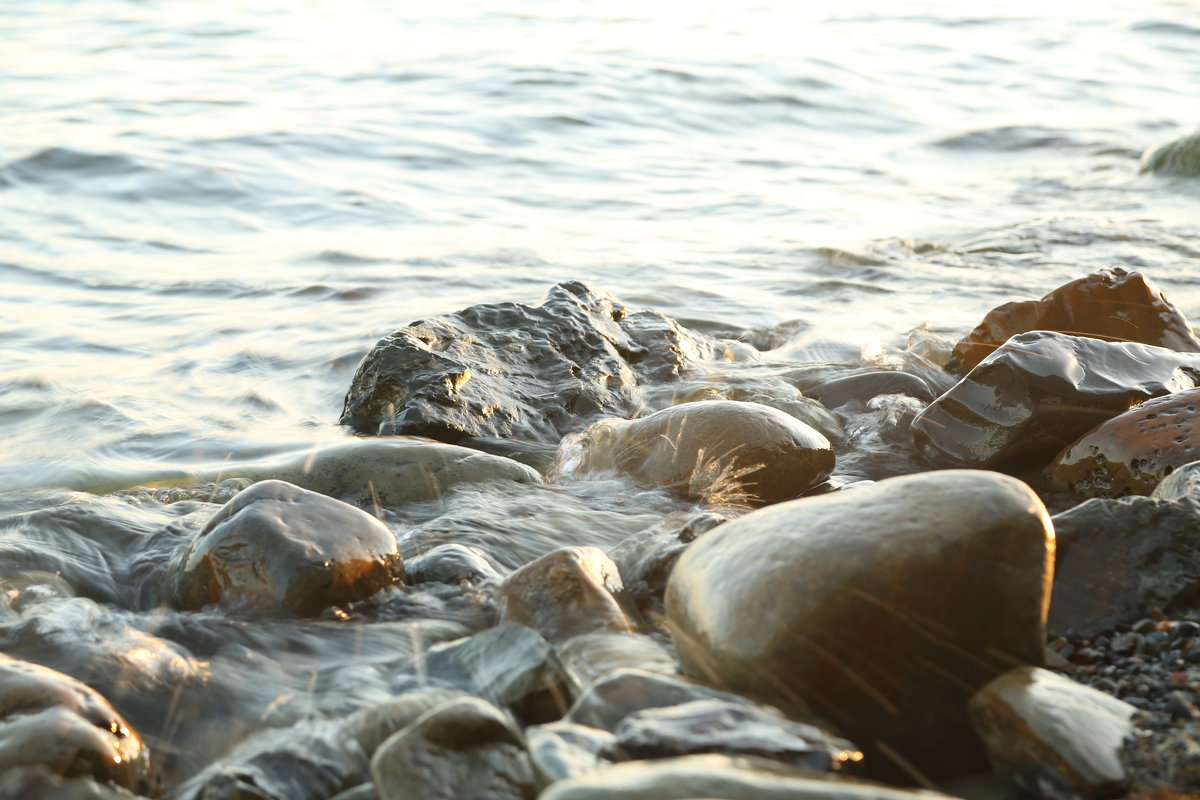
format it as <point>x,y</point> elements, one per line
<point>1131,453</point>
<point>1110,304</point>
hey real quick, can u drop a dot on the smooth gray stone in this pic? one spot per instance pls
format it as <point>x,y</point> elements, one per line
<point>866,385</point>
<point>561,750</point>
<point>371,726</point>
<point>612,698</point>
<point>591,656</point>
<point>453,564</point>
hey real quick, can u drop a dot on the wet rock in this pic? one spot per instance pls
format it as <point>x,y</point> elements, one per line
<point>1118,558</point>
<point>310,761</point>
<point>1110,304</point>
<point>453,564</point>
<point>719,726</point>
<point>371,726</point>
<point>605,703</point>
<point>564,750</point>
<point>867,385</point>
<point>1180,158</point>
<point>49,719</point>
<point>507,370</point>
<point>843,602</point>
<point>463,749</point>
<point>716,451</point>
<point>364,791</point>
<point>716,776</point>
<point>1039,392</point>
<point>567,592</point>
<point>277,547</point>
<point>1181,486</point>
<point>645,560</point>
<point>1046,730</point>
<point>590,656</point>
<point>40,783</point>
<point>510,665</point>
<point>1132,452</point>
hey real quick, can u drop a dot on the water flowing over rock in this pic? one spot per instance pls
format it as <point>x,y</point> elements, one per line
<point>276,547</point>
<point>508,370</point>
<point>40,783</point>
<point>1132,452</point>
<point>564,750</point>
<point>714,450</point>
<point>52,720</point>
<point>1039,392</point>
<point>612,698</point>
<point>1053,736</point>
<point>1110,304</point>
<point>1180,158</point>
<point>453,564</point>
<point>882,608</point>
<point>864,386</point>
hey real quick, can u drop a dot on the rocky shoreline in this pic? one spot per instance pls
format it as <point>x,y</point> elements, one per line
<point>800,579</point>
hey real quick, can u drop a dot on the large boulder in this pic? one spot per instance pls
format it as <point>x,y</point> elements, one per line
<point>1132,452</point>
<point>883,609</point>
<point>1039,392</point>
<point>714,450</point>
<point>52,720</point>
<point>508,370</point>
<point>278,548</point>
<point>1180,158</point>
<point>1110,304</point>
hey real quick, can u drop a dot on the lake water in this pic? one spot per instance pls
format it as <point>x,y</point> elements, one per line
<point>209,212</point>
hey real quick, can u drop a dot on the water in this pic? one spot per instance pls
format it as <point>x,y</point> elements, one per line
<point>208,214</point>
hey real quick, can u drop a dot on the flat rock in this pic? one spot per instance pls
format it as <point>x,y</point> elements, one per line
<point>612,698</point>
<point>1039,392</point>
<point>567,592</point>
<point>1043,729</point>
<point>1180,158</point>
<point>1111,304</point>
<point>460,750</point>
<point>50,720</point>
<point>507,370</point>
<point>1132,452</point>
<point>278,548</point>
<point>844,602</point>
<point>712,450</point>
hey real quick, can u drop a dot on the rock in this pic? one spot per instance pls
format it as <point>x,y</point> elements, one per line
<point>457,751</point>
<point>371,726</point>
<point>1039,392</point>
<point>1165,763</point>
<point>1182,486</point>
<point>567,592</point>
<point>1110,304</point>
<point>867,385</point>
<point>453,564</point>
<point>590,656</point>
<point>364,791</point>
<point>507,370</point>
<point>276,547</point>
<point>1118,558</point>
<point>1132,452</point>
<point>50,720</point>
<point>717,451</point>
<point>720,726</point>
<point>1179,159</point>
<point>716,776</point>
<point>562,750</point>
<point>40,783</point>
<point>1042,729</point>
<point>846,602</point>
<point>511,666</point>
<point>612,698</point>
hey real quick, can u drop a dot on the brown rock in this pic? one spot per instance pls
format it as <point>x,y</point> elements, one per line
<point>1133,452</point>
<point>1110,304</point>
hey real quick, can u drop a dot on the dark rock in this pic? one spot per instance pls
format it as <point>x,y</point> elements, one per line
<point>453,564</point>
<point>1132,452</point>
<point>564,750</point>
<point>1110,304</point>
<point>463,749</point>
<point>719,726</point>
<point>867,385</point>
<point>1117,558</point>
<point>50,720</point>
<point>645,561</point>
<point>514,371</point>
<point>608,701</point>
<point>1039,392</point>
<point>277,547</point>
<point>1179,159</point>
<point>843,602</point>
<point>511,666</point>
<point>719,451</point>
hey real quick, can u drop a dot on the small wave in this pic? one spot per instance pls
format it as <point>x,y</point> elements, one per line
<point>1008,138</point>
<point>1169,28</point>
<point>54,164</point>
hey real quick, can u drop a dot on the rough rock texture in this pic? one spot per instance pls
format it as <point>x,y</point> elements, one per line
<point>716,776</point>
<point>463,749</point>
<point>1132,452</point>
<point>1039,392</point>
<point>1044,730</point>
<point>567,592</point>
<point>721,726</point>
<point>605,703</point>
<point>276,547</point>
<point>52,720</point>
<point>1110,304</point>
<point>1118,559</point>
<point>714,450</point>
<point>883,608</point>
<point>1180,158</point>
<point>509,370</point>
<point>867,385</point>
